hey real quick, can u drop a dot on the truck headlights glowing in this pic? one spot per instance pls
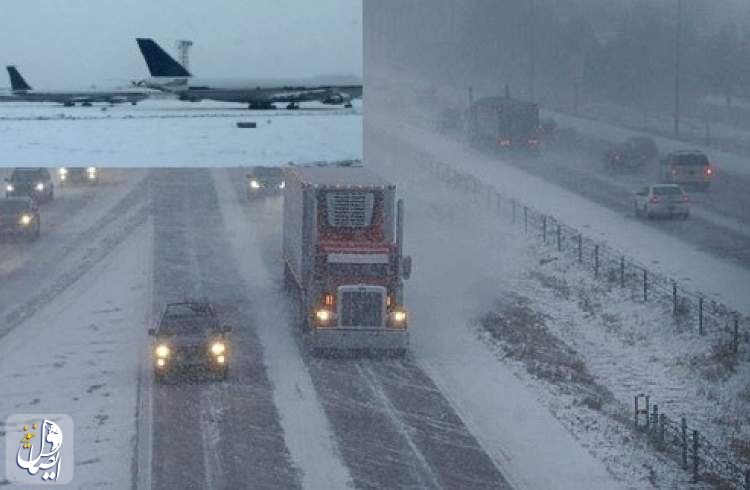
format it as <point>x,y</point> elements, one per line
<point>323,316</point>
<point>63,173</point>
<point>254,184</point>
<point>218,348</point>
<point>220,359</point>
<point>9,188</point>
<point>162,351</point>
<point>91,171</point>
<point>398,318</point>
<point>25,220</point>
<point>161,362</point>
<point>40,187</point>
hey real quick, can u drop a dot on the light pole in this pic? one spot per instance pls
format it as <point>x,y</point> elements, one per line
<point>677,55</point>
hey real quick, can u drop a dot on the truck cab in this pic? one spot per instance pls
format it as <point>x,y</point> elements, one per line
<point>344,262</point>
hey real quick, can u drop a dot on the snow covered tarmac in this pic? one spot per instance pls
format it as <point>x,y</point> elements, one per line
<point>174,133</point>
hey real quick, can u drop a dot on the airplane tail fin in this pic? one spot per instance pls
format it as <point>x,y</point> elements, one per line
<point>160,64</point>
<point>17,83</point>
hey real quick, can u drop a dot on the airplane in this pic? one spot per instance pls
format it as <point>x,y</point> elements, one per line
<point>22,91</point>
<point>170,76</point>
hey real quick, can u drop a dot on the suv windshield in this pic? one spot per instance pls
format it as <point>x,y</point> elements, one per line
<point>667,191</point>
<point>26,175</point>
<point>691,159</point>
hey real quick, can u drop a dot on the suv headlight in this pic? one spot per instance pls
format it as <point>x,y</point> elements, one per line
<point>162,351</point>
<point>40,187</point>
<point>255,184</point>
<point>218,348</point>
<point>25,219</point>
<point>9,188</point>
<point>62,172</point>
<point>282,185</point>
<point>91,171</point>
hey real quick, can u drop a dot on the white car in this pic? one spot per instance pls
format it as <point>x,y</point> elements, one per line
<point>662,200</point>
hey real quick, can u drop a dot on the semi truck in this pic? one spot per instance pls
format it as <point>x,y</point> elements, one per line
<point>504,123</point>
<point>344,264</point>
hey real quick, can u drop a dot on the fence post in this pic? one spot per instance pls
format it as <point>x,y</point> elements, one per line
<point>695,456</point>
<point>596,261</point>
<point>622,271</point>
<point>700,316</point>
<point>662,424</point>
<point>684,443</point>
<point>559,244</point>
<point>645,285</point>
<point>544,229</point>
<point>674,298</point>
<point>580,248</point>
<point>736,338</point>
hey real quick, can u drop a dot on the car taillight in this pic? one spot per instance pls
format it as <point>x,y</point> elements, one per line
<point>685,198</point>
<point>709,171</point>
<point>674,171</point>
<point>654,199</point>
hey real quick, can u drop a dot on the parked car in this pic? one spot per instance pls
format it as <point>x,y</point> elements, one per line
<point>189,336</point>
<point>78,175</point>
<point>35,183</point>
<point>667,200</point>
<point>19,217</point>
<point>690,168</point>
<point>264,181</point>
<point>634,154</point>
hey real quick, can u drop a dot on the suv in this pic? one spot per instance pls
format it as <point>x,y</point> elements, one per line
<point>189,335</point>
<point>35,183</point>
<point>264,181</point>
<point>662,200</point>
<point>78,175</point>
<point>19,217</point>
<point>687,168</point>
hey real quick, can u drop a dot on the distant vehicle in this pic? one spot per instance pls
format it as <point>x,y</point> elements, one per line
<point>169,76</point>
<point>264,181</point>
<point>19,217</point>
<point>78,175</point>
<point>634,154</point>
<point>505,123</point>
<point>689,168</point>
<point>189,336</point>
<point>343,258</point>
<point>548,129</point>
<point>23,91</point>
<point>35,183</point>
<point>666,200</point>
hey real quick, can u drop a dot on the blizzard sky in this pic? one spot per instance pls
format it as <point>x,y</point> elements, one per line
<point>76,43</point>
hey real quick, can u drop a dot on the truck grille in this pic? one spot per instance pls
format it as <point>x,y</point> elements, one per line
<point>349,209</point>
<point>361,309</point>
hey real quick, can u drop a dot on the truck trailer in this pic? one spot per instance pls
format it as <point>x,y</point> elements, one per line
<point>504,123</point>
<point>343,258</point>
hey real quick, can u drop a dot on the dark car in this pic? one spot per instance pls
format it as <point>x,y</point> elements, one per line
<point>264,181</point>
<point>35,183</point>
<point>189,336</point>
<point>19,217</point>
<point>633,154</point>
<point>78,175</point>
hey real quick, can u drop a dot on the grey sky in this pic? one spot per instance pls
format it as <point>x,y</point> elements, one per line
<point>74,43</point>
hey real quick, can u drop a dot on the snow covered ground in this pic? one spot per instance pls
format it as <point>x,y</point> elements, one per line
<point>175,133</point>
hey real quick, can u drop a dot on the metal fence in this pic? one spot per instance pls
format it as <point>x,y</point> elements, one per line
<point>696,454</point>
<point>727,328</point>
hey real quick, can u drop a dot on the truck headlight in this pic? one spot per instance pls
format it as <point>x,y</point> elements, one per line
<point>218,348</point>
<point>162,351</point>
<point>63,173</point>
<point>91,171</point>
<point>282,185</point>
<point>254,184</point>
<point>221,359</point>
<point>398,318</point>
<point>323,316</point>
<point>40,187</point>
<point>9,188</point>
<point>25,219</point>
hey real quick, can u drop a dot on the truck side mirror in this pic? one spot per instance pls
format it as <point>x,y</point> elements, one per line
<point>151,332</point>
<point>406,267</point>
